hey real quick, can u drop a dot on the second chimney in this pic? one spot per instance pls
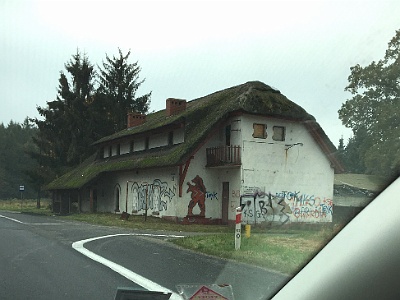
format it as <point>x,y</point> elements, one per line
<point>175,106</point>
<point>135,119</point>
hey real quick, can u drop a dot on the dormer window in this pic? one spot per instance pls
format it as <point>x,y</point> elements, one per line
<point>131,146</point>
<point>118,149</point>
<point>170,138</point>
<point>259,131</point>
<point>279,133</point>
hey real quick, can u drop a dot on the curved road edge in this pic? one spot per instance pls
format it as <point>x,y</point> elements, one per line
<point>134,277</point>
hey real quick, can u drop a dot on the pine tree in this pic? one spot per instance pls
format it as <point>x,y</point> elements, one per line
<point>65,133</point>
<point>119,82</point>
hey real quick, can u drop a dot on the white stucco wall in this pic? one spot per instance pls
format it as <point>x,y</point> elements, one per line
<point>294,170</point>
<point>159,186</point>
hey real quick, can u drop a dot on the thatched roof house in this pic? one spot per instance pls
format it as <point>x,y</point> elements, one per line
<point>179,141</point>
<point>199,119</point>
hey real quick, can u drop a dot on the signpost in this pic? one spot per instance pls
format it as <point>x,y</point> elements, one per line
<point>238,228</point>
<point>21,190</point>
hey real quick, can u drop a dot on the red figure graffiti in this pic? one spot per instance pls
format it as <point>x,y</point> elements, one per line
<point>198,191</point>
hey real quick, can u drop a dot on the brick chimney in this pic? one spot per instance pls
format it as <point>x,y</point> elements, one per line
<point>175,106</point>
<point>135,119</point>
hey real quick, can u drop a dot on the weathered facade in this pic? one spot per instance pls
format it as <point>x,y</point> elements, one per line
<point>197,161</point>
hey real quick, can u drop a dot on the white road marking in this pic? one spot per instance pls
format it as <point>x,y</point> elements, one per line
<point>132,276</point>
<point>29,223</point>
<point>11,219</point>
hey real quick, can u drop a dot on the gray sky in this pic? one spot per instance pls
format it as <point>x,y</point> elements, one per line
<point>191,49</point>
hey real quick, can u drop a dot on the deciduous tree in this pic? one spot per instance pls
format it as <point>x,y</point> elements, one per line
<point>373,112</point>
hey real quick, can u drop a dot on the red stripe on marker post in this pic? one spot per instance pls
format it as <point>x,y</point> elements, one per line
<point>238,228</point>
<point>238,215</point>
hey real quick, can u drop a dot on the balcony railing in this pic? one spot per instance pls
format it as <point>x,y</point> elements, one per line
<point>223,156</point>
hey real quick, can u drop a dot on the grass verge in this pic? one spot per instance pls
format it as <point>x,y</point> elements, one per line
<point>286,251</point>
<point>26,206</point>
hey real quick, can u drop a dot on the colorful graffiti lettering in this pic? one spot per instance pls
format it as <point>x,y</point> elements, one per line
<point>258,207</point>
<point>284,206</point>
<point>198,196</point>
<point>308,207</point>
<point>158,195</point>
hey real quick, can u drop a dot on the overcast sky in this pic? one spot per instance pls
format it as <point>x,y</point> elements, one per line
<point>191,49</point>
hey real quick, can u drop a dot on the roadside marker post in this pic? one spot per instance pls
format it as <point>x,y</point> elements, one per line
<point>238,228</point>
<point>21,190</point>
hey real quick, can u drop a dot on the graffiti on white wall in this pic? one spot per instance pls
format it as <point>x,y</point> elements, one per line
<point>157,195</point>
<point>284,206</point>
<point>258,206</point>
<point>308,206</point>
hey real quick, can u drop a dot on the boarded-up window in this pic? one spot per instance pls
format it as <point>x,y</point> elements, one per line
<point>279,133</point>
<point>259,131</point>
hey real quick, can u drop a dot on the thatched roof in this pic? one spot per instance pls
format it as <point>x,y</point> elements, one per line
<point>201,116</point>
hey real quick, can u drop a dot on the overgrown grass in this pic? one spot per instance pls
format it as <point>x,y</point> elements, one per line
<point>282,250</point>
<point>26,206</point>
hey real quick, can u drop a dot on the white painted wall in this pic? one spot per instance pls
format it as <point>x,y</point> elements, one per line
<point>295,170</point>
<point>160,187</point>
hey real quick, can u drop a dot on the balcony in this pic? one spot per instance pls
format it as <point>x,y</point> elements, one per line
<point>223,156</point>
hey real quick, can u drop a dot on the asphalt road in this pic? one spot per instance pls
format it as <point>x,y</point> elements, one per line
<point>38,262</point>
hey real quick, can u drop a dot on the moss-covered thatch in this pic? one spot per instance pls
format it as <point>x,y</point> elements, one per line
<point>200,117</point>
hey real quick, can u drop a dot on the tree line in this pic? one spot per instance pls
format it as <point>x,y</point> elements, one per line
<point>92,102</point>
<point>15,144</point>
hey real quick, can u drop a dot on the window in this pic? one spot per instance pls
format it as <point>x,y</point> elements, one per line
<point>170,138</point>
<point>260,131</point>
<point>279,133</point>
<point>131,146</point>
<point>118,149</point>
<point>109,151</point>
<point>146,143</point>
